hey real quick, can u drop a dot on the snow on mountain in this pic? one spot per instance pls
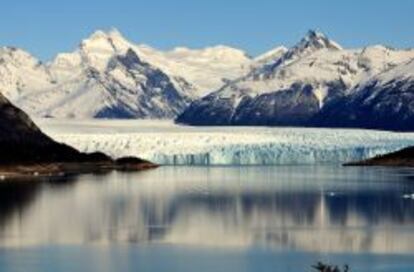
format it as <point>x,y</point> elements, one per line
<point>20,73</point>
<point>108,76</point>
<point>127,88</point>
<point>311,43</point>
<point>294,87</point>
<point>205,69</point>
<point>385,101</point>
<point>270,56</point>
<point>105,77</point>
<point>94,51</point>
<point>397,72</point>
<point>208,69</point>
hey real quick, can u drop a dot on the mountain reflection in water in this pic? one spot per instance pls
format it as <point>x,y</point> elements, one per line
<point>309,208</point>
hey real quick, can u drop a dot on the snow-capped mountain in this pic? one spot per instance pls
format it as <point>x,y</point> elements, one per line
<point>20,73</point>
<point>385,101</point>
<point>108,76</point>
<point>293,87</point>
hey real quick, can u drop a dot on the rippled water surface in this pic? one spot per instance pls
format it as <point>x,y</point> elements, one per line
<point>281,218</point>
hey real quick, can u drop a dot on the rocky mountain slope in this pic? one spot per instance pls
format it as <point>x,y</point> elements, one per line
<point>21,141</point>
<point>386,101</point>
<point>294,87</point>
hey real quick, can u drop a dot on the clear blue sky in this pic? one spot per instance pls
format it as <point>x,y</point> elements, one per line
<point>46,27</point>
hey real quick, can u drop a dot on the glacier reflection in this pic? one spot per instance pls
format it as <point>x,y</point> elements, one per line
<point>319,208</point>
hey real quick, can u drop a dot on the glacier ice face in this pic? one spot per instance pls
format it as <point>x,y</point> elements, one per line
<point>168,144</point>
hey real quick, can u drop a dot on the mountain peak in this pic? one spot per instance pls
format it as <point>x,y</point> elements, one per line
<point>99,47</point>
<point>318,40</point>
<point>115,33</point>
<point>312,42</point>
<point>111,37</point>
<point>312,33</point>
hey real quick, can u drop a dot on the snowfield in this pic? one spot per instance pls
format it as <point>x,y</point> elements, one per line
<point>168,144</point>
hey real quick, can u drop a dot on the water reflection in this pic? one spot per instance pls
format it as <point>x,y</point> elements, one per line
<point>321,208</point>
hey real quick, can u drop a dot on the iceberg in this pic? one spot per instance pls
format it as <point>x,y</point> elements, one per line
<point>168,144</point>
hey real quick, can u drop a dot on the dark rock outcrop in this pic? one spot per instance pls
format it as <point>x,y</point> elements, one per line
<point>21,141</point>
<point>403,158</point>
<point>211,110</point>
<point>291,107</point>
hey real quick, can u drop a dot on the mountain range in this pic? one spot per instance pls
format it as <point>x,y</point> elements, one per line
<point>308,85</point>
<point>314,83</point>
<point>110,77</point>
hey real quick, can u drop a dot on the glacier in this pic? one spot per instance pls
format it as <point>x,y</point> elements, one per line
<point>168,144</point>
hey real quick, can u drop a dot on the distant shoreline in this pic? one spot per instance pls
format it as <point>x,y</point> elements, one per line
<point>401,158</point>
<point>61,169</point>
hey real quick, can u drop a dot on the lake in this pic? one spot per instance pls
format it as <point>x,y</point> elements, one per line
<point>273,218</point>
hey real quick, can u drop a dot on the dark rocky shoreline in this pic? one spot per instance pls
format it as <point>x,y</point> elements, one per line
<point>26,152</point>
<point>58,169</point>
<point>401,158</point>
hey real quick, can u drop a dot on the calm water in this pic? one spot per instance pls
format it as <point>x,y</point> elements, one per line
<point>211,219</point>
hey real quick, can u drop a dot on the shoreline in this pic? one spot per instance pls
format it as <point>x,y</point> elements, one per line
<point>401,158</point>
<point>62,169</point>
